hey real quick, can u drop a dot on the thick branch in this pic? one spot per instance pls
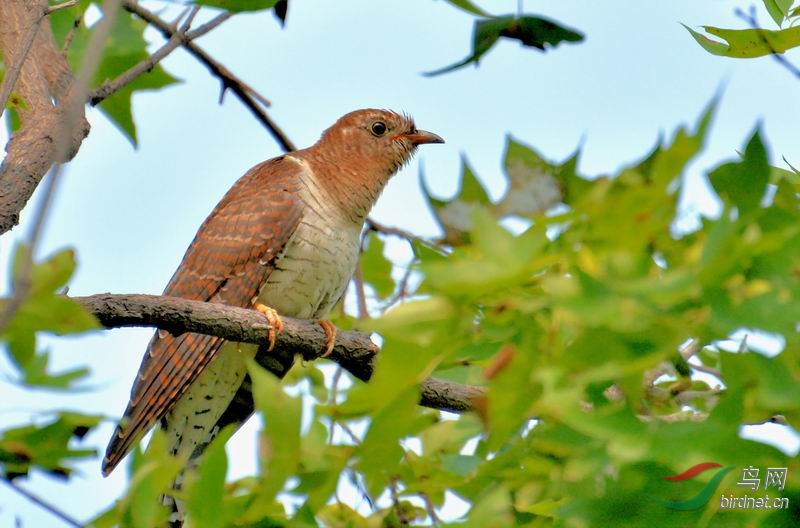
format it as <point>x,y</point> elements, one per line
<point>354,351</point>
<point>44,78</point>
<point>249,97</point>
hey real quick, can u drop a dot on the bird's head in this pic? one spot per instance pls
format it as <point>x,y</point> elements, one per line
<point>357,155</point>
<point>382,138</point>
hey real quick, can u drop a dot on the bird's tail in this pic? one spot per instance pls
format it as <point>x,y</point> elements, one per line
<point>193,423</point>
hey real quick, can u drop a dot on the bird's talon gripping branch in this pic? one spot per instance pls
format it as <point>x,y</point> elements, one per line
<point>330,336</point>
<point>274,320</point>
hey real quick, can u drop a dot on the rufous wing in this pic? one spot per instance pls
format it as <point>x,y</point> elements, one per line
<point>228,261</point>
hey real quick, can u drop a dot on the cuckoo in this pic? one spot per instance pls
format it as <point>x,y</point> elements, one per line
<point>283,240</point>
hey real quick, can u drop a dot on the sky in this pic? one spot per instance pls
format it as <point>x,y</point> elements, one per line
<point>130,213</point>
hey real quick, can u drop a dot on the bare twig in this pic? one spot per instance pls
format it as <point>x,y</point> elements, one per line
<point>346,428</point>
<point>71,35</point>
<point>192,11</point>
<point>332,399</point>
<point>752,20</point>
<point>361,296</point>
<point>208,26</point>
<point>431,509</point>
<point>374,225</point>
<point>43,504</point>
<point>402,287</point>
<point>249,97</point>
<point>62,5</point>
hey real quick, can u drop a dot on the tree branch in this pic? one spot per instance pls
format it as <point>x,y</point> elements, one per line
<point>42,92</point>
<point>354,351</point>
<point>43,504</point>
<point>249,97</point>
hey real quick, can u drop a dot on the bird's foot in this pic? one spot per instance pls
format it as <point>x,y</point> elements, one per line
<point>330,336</point>
<point>275,323</point>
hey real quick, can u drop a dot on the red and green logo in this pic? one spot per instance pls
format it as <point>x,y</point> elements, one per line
<point>702,497</point>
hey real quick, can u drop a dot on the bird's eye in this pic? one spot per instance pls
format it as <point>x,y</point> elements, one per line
<point>378,128</point>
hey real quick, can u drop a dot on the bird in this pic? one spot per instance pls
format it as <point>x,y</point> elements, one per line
<point>283,240</point>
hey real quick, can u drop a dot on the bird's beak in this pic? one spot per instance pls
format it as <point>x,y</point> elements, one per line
<point>421,137</point>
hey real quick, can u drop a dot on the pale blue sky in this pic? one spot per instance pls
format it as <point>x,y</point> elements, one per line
<point>131,213</point>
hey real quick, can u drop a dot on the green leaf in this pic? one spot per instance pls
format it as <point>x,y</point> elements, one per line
<point>747,43</point>
<point>531,31</point>
<point>125,48</point>
<point>778,9</point>
<point>419,322</point>
<point>339,514</point>
<point>238,6</point>
<point>669,163</point>
<point>496,259</point>
<point>118,107</point>
<point>47,276</point>
<point>744,183</point>
<point>375,267</point>
<point>43,309</point>
<point>533,187</point>
<point>16,104</point>
<point>381,452</point>
<point>205,489</point>
<point>454,215</point>
<point>152,474</point>
<point>46,447</point>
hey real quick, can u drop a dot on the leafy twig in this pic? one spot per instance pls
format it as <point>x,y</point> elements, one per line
<point>180,37</point>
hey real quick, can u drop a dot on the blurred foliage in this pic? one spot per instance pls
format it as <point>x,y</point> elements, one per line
<point>531,31</point>
<point>37,306</point>
<point>238,6</point>
<point>602,332</point>
<point>125,48</point>
<point>755,41</point>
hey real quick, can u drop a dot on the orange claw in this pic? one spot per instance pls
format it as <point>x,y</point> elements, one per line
<point>330,336</point>
<point>275,323</point>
